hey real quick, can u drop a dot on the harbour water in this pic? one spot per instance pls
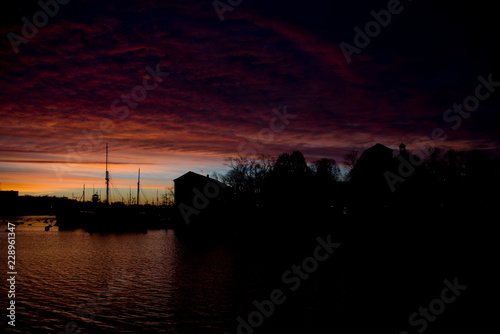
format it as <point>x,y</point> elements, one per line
<point>162,282</point>
<point>118,283</point>
<point>78,282</point>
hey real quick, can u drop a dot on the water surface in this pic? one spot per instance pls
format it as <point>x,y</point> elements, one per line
<point>119,283</point>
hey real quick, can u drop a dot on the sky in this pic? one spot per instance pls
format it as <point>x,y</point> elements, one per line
<point>174,86</point>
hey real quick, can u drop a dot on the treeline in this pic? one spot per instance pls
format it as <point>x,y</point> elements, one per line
<point>286,189</point>
<point>252,175</point>
<point>290,181</point>
<point>456,180</point>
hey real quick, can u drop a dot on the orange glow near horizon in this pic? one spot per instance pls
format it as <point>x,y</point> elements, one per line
<point>223,91</point>
<point>62,179</point>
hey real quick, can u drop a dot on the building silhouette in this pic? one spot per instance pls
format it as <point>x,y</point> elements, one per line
<point>201,202</point>
<point>187,185</point>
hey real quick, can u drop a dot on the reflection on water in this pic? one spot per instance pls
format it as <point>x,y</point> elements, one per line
<point>32,223</point>
<point>160,282</point>
<point>127,283</point>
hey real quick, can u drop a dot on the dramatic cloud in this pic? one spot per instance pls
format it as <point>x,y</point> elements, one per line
<point>71,88</point>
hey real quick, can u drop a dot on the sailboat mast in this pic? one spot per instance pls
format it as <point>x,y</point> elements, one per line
<point>107,176</point>
<point>138,185</point>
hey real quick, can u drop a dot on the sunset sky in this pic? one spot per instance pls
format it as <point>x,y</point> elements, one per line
<point>78,83</point>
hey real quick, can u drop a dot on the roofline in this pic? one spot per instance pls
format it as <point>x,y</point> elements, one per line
<point>197,175</point>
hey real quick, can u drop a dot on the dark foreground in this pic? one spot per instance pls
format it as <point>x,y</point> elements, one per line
<point>317,271</point>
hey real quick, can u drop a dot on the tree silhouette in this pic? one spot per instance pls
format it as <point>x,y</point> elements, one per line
<point>326,170</point>
<point>246,174</point>
<point>291,165</point>
<point>350,160</point>
<point>454,165</point>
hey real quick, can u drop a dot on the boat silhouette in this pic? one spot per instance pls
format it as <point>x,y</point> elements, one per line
<point>106,217</point>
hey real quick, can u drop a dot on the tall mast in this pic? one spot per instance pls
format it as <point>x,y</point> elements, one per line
<point>107,176</point>
<point>84,193</point>
<point>138,185</point>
